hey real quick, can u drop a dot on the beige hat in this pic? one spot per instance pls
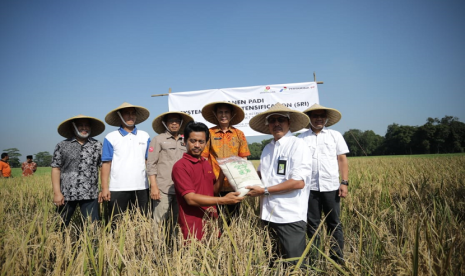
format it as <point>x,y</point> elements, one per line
<point>298,120</point>
<point>333,114</point>
<point>113,119</point>
<point>208,113</point>
<point>158,126</point>
<point>65,129</point>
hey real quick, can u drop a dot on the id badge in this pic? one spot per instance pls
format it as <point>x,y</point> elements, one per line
<point>282,164</point>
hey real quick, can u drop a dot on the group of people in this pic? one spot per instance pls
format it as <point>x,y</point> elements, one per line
<point>28,167</point>
<point>178,170</point>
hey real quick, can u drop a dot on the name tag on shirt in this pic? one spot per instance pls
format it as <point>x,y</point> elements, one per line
<point>282,164</point>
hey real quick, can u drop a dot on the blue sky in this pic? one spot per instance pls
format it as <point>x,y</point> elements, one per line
<point>382,62</point>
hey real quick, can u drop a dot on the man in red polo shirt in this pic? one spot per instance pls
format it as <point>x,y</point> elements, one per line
<point>195,184</point>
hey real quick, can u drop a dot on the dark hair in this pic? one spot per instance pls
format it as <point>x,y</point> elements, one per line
<point>29,157</point>
<point>4,154</point>
<point>230,107</point>
<point>193,126</point>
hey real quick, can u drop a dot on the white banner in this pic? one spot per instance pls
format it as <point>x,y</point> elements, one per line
<point>253,99</point>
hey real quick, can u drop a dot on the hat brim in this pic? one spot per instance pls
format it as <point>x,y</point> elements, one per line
<point>113,119</point>
<point>297,121</point>
<point>65,129</point>
<point>158,126</point>
<point>333,115</point>
<point>208,113</point>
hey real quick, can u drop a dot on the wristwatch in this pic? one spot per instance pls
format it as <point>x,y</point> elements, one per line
<point>345,182</point>
<point>266,192</point>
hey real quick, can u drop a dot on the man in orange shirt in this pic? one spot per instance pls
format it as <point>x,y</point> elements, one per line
<point>225,141</point>
<point>29,167</point>
<point>5,170</point>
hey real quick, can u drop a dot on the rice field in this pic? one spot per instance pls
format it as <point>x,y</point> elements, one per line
<point>403,216</point>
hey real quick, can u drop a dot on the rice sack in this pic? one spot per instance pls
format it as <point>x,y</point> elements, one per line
<point>240,173</point>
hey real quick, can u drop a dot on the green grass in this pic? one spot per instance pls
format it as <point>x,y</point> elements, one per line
<point>17,172</point>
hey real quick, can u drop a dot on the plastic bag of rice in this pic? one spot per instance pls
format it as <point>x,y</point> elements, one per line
<point>240,173</point>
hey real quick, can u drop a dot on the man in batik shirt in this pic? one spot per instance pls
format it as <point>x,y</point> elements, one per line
<point>75,167</point>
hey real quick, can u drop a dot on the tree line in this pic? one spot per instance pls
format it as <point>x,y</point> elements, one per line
<point>446,135</point>
<point>43,158</point>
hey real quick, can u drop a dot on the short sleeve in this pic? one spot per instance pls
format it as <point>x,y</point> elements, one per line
<point>107,150</point>
<point>147,149</point>
<point>57,157</point>
<point>244,147</point>
<point>341,145</point>
<point>154,154</point>
<point>181,179</point>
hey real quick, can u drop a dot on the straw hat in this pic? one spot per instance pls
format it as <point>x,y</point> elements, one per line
<point>209,110</point>
<point>158,126</point>
<point>332,114</point>
<point>298,120</point>
<point>65,129</point>
<point>113,119</point>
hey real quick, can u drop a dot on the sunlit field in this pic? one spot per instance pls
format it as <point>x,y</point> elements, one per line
<point>404,216</point>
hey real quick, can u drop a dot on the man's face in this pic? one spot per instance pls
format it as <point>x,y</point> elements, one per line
<point>173,122</point>
<point>83,127</point>
<point>278,125</point>
<point>223,113</point>
<point>318,119</point>
<point>6,158</point>
<point>129,116</point>
<point>196,143</point>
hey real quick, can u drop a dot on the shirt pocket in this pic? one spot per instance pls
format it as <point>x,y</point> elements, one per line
<point>328,149</point>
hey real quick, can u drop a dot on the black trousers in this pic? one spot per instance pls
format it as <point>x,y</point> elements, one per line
<point>123,200</point>
<point>89,208</point>
<point>329,203</point>
<point>291,237</point>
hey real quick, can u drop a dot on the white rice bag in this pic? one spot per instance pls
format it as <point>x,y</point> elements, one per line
<point>240,173</point>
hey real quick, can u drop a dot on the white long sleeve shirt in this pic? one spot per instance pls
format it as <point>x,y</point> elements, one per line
<point>291,206</point>
<point>324,148</point>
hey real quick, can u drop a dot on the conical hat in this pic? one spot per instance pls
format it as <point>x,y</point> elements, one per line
<point>298,119</point>
<point>159,128</point>
<point>65,129</point>
<point>208,113</point>
<point>113,119</point>
<point>332,114</point>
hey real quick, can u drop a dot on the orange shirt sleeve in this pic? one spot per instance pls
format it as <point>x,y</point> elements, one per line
<point>244,147</point>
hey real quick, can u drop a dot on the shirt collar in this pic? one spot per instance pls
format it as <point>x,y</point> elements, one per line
<point>192,158</point>
<point>283,139</point>
<point>218,129</point>
<point>73,139</point>
<point>169,135</point>
<point>124,132</point>
<point>322,130</point>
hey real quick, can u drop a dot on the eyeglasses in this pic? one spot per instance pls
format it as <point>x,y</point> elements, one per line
<point>316,116</point>
<point>279,119</point>
<point>177,121</point>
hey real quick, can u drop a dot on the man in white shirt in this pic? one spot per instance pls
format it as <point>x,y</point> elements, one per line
<point>124,179</point>
<point>328,151</point>
<point>285,167</point>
